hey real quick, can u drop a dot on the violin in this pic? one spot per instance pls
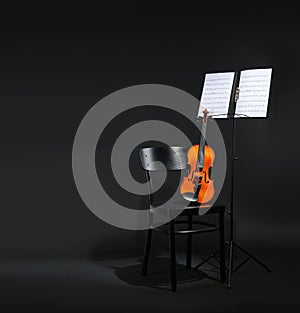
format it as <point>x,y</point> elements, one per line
<point>197,186</point>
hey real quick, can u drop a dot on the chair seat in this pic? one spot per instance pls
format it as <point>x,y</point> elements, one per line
<point>187,208</point>
<point>205,228</point>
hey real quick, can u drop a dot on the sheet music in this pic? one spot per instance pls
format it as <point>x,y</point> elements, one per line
<point>216,94</point>
<point>254,93</point>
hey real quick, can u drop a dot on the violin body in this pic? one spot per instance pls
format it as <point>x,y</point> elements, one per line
<point>198,186</point>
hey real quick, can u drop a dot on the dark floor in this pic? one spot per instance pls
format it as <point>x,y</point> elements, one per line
<point>115,285</point>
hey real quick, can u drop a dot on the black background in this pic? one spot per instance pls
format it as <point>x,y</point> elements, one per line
<point>58,60</point>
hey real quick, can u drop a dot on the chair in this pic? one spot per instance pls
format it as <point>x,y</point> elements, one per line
<point>175,161</point>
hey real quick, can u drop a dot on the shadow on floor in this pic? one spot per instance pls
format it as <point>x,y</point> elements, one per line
<point>158,275</point>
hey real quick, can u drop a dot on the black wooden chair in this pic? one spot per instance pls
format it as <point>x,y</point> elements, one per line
<point>174,161</point>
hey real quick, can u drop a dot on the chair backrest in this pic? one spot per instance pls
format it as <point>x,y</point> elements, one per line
<point>173,158</point>
<point>157,160</point>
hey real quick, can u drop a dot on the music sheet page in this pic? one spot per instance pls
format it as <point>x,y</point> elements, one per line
<point>216,94</point>
<point>254,93</point>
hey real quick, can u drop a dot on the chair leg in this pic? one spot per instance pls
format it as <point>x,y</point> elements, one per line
<point>222,247</point>
<point>146,252</point>
<point>189,244</point>
<point>172,256</point>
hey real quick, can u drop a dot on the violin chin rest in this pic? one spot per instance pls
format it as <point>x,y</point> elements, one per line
<point>189,196</point>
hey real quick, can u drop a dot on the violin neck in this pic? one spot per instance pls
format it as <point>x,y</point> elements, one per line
<point>201,147</point>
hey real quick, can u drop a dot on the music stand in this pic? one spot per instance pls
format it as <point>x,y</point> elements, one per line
<point>231,243</point>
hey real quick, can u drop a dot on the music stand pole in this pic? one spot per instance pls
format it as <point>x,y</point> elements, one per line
<point>231,243</point>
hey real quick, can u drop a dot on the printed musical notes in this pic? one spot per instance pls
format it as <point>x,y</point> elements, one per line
<point>216,94</point>
<point>254,93</point>
<point>254,88</point>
